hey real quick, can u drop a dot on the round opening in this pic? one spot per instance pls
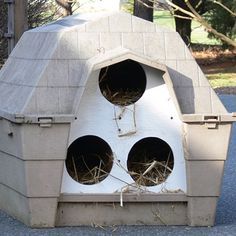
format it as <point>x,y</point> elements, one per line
<point>89,160</point>
<point>150,161</point>
<point>122,83</point>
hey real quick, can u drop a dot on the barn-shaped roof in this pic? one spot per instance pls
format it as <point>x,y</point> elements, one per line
<point>46,72</point>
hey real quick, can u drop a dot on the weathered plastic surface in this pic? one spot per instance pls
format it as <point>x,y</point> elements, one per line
<point>42,85</point>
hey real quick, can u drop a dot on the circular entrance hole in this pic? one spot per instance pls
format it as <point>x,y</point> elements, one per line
<point>150,161</point>
<point>122,83</point>
<point>89,160</point>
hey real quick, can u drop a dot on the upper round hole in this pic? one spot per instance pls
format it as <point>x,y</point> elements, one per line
<point>122,83</point>
<point>89,160</point>
<point>150,161</point>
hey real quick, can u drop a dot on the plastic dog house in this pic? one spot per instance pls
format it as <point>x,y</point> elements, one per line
<point>108,119</point>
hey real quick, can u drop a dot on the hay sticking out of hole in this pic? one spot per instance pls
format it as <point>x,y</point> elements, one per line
<point>150,171</point>
<point>122,97</point>
<point>88,174</point>
<point>122,83</point>
<point>150,161</point>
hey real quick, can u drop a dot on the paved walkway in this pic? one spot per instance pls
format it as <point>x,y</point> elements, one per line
<point>225,218</point>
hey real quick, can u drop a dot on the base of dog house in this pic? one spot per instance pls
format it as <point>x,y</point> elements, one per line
<point>134,209</point>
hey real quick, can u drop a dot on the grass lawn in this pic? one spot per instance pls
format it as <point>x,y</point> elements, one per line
<point>222,80</point>
<point>221,75</point>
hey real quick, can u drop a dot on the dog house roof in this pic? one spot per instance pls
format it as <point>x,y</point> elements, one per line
<point>47,71</point>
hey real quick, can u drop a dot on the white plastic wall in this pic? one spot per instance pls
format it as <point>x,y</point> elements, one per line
<point>155,115</point>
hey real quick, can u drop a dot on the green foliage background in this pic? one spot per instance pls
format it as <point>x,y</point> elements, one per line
<point>222,20</point>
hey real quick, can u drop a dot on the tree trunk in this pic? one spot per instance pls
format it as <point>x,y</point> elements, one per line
<point>17,22</point>
<point>143,9</point>
<point>183,26</point>
<point>20,19</point>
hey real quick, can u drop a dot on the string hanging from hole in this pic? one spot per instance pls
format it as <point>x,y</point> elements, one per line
<point>118,117</point>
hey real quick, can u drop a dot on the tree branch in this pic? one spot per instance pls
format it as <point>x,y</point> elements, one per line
<point>146,5</point>
<point>208,27</point>
<point>226,8</point>
<point>194,15</point>
<point>182,17</point>
<point>177,8</point>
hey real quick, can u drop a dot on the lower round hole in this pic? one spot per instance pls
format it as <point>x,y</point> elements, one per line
<point>150,161</point>
<point>89,160</point>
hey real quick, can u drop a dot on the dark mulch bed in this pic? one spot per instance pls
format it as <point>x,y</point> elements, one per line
<point>208,55</point>
<point>226,90</point>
